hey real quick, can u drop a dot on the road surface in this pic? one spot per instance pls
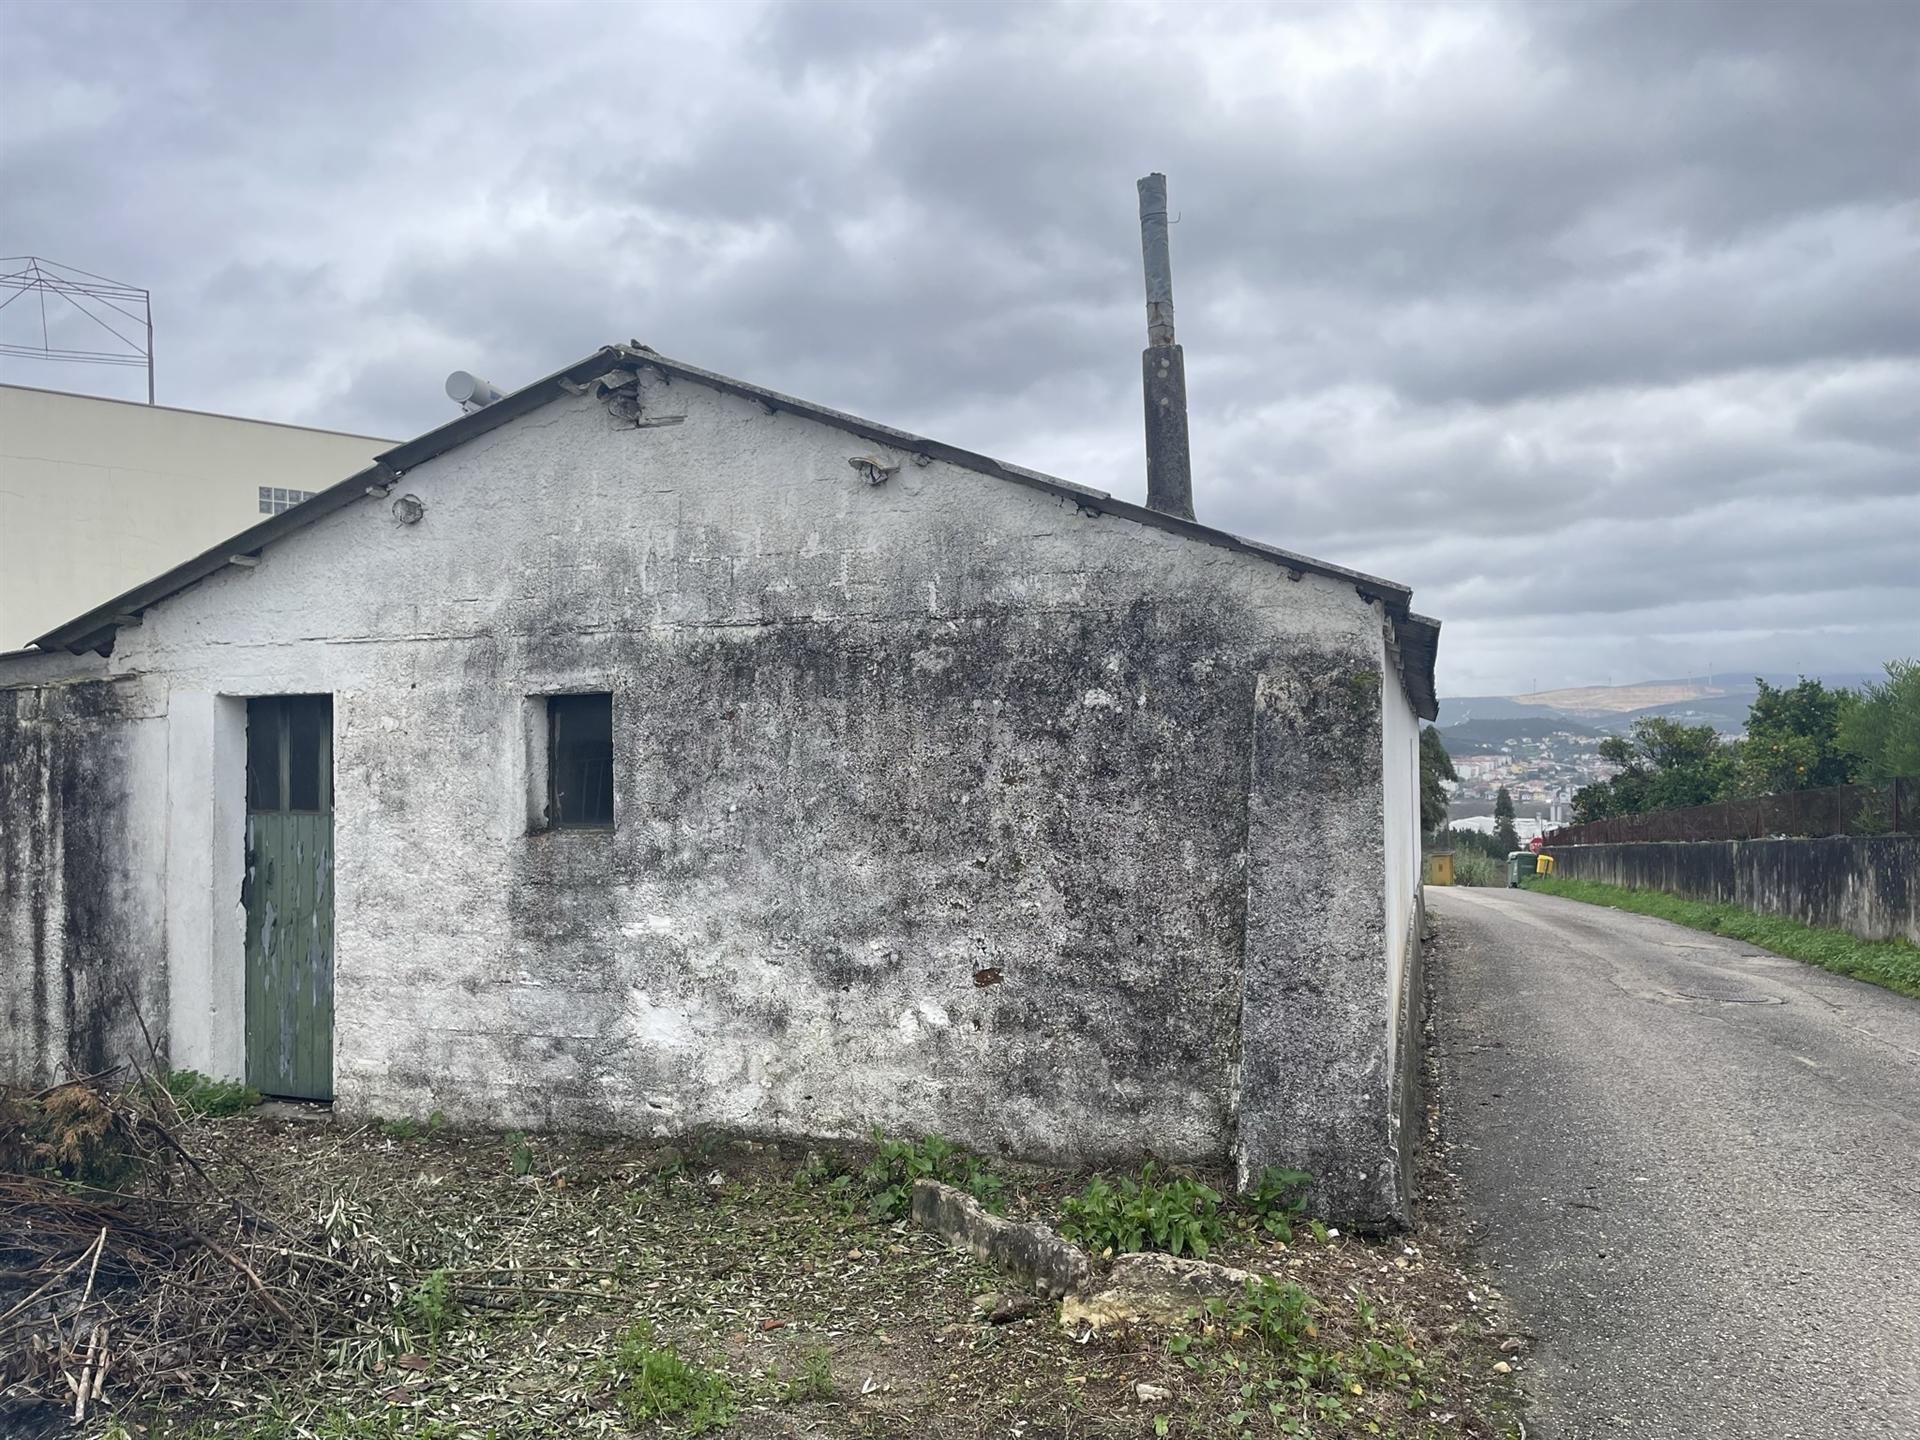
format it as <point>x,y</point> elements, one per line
<point>1694,1168</point>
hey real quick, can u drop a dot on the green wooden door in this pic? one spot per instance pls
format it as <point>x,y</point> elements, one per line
<point>289,896</point>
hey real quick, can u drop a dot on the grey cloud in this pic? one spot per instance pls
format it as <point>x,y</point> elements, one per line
<point>1595,322</point>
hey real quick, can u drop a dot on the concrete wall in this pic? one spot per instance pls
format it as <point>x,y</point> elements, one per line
<point>98,495</point>
<point>1868,886</point>
<point>932,805</point>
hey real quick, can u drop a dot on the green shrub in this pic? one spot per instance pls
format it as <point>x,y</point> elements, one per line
<point>652,1382</point>
<point>1179,1216</point>
<point>1470,867</point>
<point>896,1164</point>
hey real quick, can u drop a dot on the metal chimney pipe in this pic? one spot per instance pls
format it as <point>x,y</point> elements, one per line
<point>1163,366</point>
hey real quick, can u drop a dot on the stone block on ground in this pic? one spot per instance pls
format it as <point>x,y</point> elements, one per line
<point>1152,1290</point>
<point>1030,1253</point>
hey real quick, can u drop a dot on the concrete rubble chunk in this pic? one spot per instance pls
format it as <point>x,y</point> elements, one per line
<point>1152,1290</point>
<point>1031,1252</point>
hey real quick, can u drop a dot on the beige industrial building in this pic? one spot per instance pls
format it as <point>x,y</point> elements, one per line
<point>98,495</point>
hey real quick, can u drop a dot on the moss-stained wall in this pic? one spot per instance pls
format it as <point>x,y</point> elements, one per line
<point>1316,1022</point>
<point>82,957</point>
<point>932,801</point>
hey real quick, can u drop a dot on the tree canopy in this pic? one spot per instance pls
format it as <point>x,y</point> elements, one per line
<point>1504,834</point>
<point>1435,766</point>
<point>1799,737</point>
<point>1793,740</point>
<point>1881,727</point>
<point>1663,764</point>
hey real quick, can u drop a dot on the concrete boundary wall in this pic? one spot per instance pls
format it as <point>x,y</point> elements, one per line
<point>1866,885</point>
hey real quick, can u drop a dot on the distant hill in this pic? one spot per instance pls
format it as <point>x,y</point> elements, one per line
<point>1721,701</point>
<point>1621,699</point>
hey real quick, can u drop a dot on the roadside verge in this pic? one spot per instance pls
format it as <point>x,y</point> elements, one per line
<point>1892,964</point>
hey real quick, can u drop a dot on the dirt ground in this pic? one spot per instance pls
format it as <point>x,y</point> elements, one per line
<point>556,1286</point>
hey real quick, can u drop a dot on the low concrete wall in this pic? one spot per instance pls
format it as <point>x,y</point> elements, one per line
<point>1869,886</point>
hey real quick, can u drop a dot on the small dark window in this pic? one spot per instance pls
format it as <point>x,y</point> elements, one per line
<point>580,761</point>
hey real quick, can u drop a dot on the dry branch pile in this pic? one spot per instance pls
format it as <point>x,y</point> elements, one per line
<point>131,1268</point>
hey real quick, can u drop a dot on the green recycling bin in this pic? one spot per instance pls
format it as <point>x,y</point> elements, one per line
<point>1519,863</point>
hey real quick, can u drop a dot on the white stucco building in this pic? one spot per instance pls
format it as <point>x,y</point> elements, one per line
<point>648,751</point>
<point>97,495</point>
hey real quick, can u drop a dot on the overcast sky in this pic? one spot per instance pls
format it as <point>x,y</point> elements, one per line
<point>1596,323</point>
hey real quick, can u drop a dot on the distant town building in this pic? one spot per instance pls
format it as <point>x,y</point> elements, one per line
<point>1525,826</point>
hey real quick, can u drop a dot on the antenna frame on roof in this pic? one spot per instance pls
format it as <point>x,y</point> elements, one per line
<point>86,292</point>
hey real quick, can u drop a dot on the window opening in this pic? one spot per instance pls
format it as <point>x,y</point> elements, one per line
<point>580,761</point>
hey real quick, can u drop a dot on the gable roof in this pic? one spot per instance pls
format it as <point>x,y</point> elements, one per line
<point>1416,637</point>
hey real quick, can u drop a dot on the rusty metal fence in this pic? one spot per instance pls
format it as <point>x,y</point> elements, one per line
<point>1890,809</point>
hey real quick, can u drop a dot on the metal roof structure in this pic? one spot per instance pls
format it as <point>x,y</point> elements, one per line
<point>83,293</point>
<point>1416,638</point>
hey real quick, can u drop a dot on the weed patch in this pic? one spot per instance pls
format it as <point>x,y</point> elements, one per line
<point>888,1179</point>
<point>430,1309</point>
<point>1178,1216</point>
<point>616,1287</point>
<point>1893,964</point>
<point>1284,1366</point>
<point>1278,1201</point>
<point>408,1128</point>
<point>812,1381</point>
<point>652,1382</point>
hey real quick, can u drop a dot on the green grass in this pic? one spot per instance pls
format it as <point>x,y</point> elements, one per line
<point>813,1380</point>
<point>1894,964</point>
<point>196,1094</point>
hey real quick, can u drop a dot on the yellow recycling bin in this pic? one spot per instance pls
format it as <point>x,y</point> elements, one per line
<point>1440,868</point>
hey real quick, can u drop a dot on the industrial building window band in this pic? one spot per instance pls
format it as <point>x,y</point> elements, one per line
<point>276,499</point>
<point>580,762</point>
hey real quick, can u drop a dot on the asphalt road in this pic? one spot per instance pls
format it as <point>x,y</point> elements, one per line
<point>1692,1166</point>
